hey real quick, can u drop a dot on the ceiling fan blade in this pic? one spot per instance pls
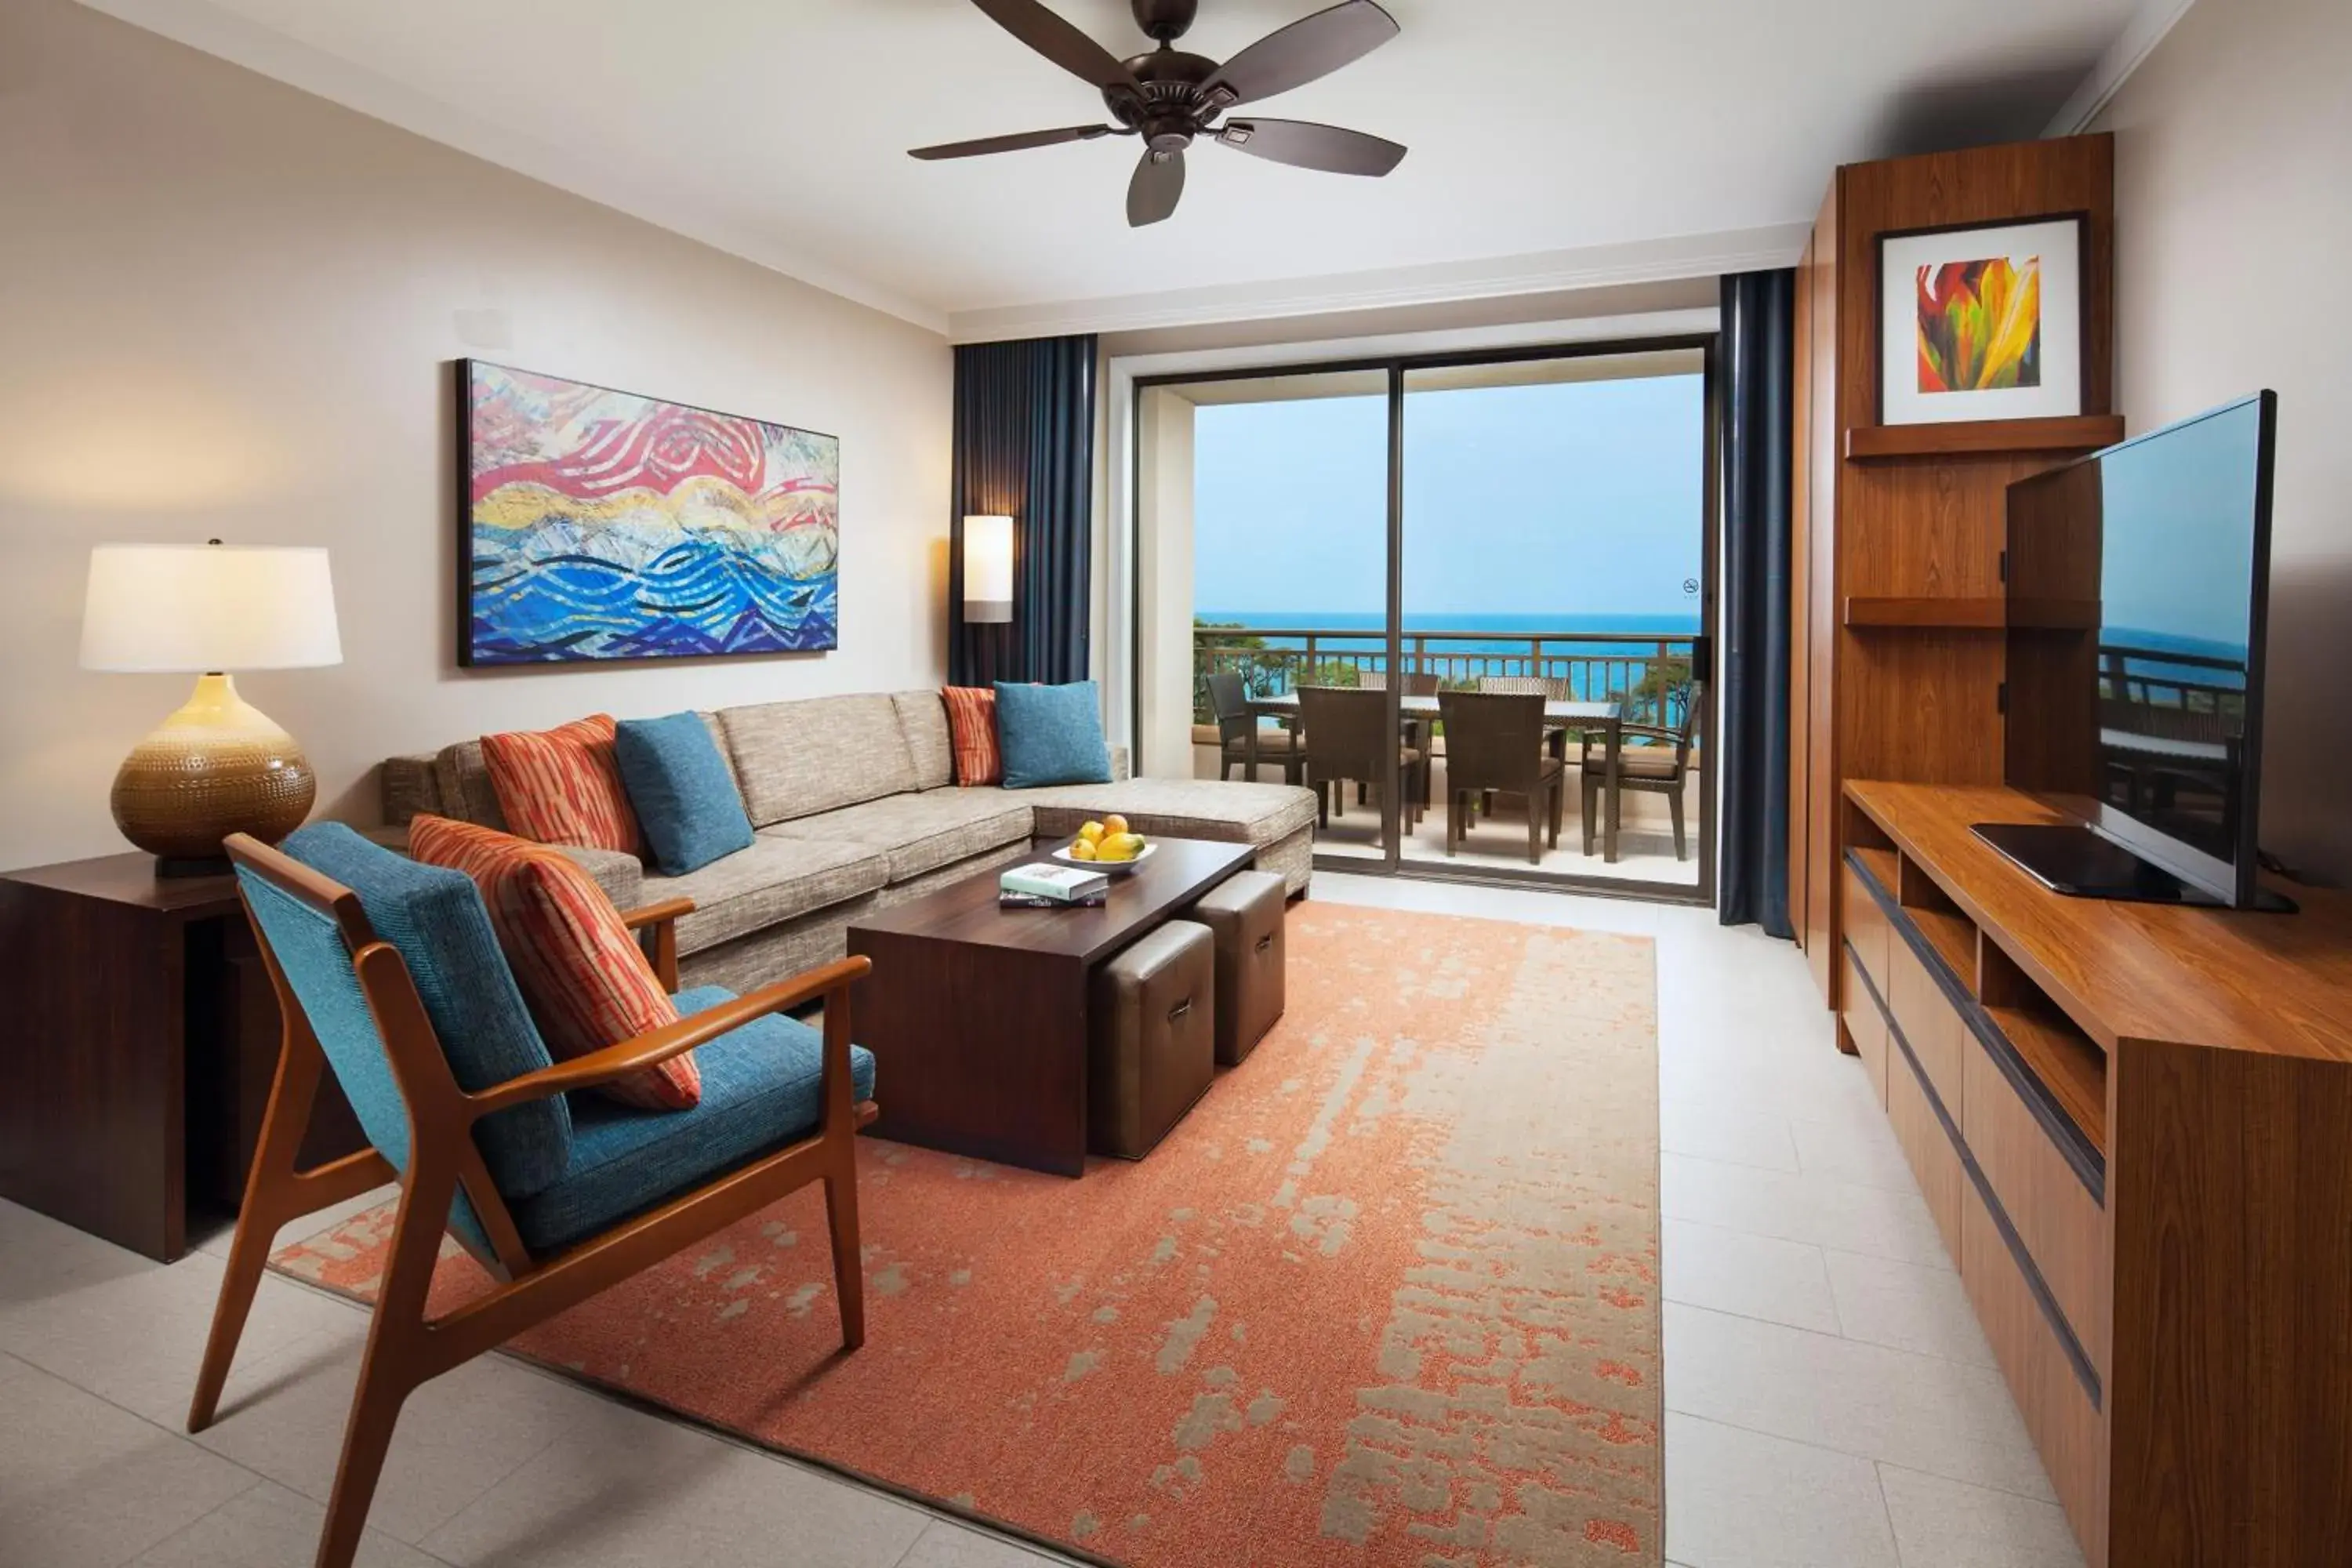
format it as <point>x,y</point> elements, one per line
<point>1308,145</point>
<point>1158,186</point>
<point>1313,46</point>
<point>1058,41</point>
<point>1021,143</point>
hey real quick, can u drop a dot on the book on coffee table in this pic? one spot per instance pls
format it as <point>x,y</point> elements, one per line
<point>1035,902</point>
<point>1061,884</point>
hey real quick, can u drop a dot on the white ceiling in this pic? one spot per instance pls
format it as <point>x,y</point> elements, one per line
<point>1686,133</point>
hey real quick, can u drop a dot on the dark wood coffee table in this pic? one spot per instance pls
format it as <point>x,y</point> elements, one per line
<point>977,1015</point>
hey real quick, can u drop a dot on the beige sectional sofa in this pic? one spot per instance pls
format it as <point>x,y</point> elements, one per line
<point>856,808</point>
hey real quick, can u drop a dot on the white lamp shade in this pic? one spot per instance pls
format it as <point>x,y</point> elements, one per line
<point>195,607</point>
<point>987,569</point>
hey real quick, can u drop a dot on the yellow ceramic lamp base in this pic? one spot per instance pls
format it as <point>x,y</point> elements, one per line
<point>217,767</point>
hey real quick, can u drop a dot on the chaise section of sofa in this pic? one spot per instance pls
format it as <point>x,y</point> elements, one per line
<point>854,809</point>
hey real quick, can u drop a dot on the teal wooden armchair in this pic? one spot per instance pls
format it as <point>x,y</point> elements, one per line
<point>388,975</point>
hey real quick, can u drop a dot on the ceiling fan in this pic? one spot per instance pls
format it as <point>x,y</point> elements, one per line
<point>1169,97</point>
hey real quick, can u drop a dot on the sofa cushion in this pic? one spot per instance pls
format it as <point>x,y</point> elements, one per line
<point>407,787</point>
<point>1177,808</point>
<point>924,722</point>
<point>564,785</point>
<point>796,759</point>
<point>466,791</point>
<point>581,971</point>
<point>920,833</point>
<point>686,804</point>
<point>1051,734</point>
<point>763,1088</point>
<point>436,921</point>
<point>771,881</point>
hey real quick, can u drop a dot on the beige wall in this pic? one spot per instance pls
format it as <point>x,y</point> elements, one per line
<point>2233,219</point>
<point>228,309</point>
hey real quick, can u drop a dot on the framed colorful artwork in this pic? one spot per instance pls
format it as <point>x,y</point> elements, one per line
<point>1981,323</point>
<point>600,525</point>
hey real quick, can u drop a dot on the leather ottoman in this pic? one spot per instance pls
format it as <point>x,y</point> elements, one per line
<point>1244,914</point>
<point>1152,1049</point>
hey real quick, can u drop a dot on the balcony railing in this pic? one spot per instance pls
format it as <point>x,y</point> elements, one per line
<point>1650,674</point>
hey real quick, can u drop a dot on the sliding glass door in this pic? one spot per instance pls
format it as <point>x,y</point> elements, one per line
<point>1555,544</point>
<point>1338,567</point>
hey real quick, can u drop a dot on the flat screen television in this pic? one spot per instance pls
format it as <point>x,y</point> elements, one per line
<point>2138,582</point>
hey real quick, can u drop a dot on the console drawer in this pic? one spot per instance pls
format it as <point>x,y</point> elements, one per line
<point>2063,1226</point>
<point>1866,1026</point>
<point>1865,927</point>
<point>2065,1426</point>
<point>1929,1023</point>
<point>1926,1147</point>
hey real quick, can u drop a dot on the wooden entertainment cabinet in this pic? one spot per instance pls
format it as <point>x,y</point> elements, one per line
<point>2133,1124</point>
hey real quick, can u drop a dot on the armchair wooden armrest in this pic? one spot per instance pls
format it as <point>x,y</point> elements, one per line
<point>661,946</point>
<point>659,1046</point>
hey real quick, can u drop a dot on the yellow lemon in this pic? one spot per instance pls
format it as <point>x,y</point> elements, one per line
<point>1119,847</point>
<point>1091,833</point>
<point>1084,849</point>
<point>1113,825</point>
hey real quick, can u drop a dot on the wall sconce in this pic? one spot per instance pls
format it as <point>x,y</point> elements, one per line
<point>987,570</point>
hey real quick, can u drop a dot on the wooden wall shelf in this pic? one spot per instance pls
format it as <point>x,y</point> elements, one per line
<point>1982,439</point>
<point>1943,614</point>
<point>1954,613</point>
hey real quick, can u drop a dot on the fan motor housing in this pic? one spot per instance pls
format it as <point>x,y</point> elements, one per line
<point>1165,19</point>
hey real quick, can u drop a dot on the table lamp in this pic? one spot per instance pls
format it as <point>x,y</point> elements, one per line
<point>219,765</point>
<point>987,570</point>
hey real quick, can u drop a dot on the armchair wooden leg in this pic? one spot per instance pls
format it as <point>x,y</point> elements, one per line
<point>1587,788</point>
<point>1674,809</point>
<point>1536,815</point>
<point>392,1364</point>
<point>848,1267</point>
<point>269,1203</point>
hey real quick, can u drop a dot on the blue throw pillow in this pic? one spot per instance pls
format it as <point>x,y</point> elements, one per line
<point>1051,734</point>
<point>688,806</point>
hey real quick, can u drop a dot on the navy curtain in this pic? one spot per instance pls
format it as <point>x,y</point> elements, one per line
<point>1758,335</point>
<point>1024,449</point>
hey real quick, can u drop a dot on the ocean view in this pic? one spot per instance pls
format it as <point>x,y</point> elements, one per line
<point>1570,650</point>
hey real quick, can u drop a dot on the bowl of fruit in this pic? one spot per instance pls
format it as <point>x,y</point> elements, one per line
<point>1107,847</point>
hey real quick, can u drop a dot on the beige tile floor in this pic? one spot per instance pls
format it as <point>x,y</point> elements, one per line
<point>1831,1403</point>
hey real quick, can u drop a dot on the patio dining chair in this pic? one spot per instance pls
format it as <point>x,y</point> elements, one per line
<point>388,975</point>
<point>1417,683</point>
<point>1494,745</point>
<point>1349,737</point>
<point>1651,759</point>
<point>1229,706</point>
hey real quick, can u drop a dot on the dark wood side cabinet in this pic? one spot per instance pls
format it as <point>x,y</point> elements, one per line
<point>139,1043</point>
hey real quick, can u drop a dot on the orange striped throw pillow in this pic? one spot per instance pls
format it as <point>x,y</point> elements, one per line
<point>972,728</point>
<point>564,785</point>
<point>587,981</point>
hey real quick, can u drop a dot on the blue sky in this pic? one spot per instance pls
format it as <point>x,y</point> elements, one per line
<point>1576,499</point>
<point>2179,548</point>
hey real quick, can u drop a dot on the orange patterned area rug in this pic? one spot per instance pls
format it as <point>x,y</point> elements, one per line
<point>1388,1297</point>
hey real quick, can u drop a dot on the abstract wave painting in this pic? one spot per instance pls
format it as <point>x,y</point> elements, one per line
<point>601,525</point>
<point>1980,324</point>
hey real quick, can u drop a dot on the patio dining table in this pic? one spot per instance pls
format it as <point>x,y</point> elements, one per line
<point>1559,717</point>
